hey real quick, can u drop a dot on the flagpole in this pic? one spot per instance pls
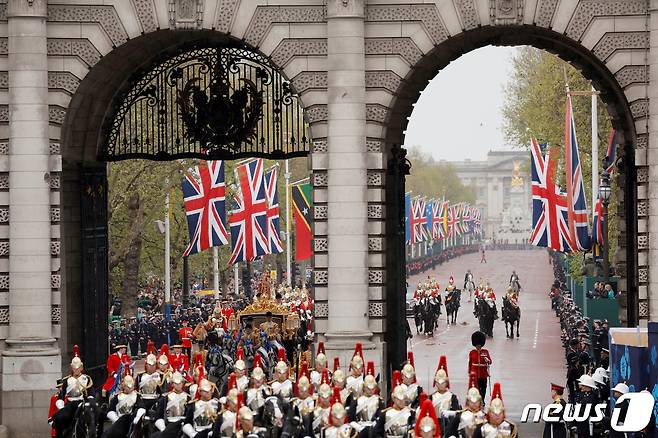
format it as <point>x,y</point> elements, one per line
<point>303,180</point>
<point>595,151</point>
<point>167,257</point>
<point>288,240</point>
<point>236,289</point>
<point>215,271</point>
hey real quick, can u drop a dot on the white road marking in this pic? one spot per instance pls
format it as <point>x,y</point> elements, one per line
<point>534,341</point>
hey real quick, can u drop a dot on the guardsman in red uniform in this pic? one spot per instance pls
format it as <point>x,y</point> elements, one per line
<point>180,362</point>
<point>479,361</point>
<point>185,336</point>
<point>113,363</point>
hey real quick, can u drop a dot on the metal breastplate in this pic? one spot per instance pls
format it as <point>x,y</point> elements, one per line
<point>441,402</point>
<point>242,383</point>
<point>468,422</point>
<point>255,398</point>
<point>366,407</point>
<point>148,385</point>
<point>205,413</point>
<point>397,422</point>
<point>76,387</point>
<point>354,385</point>
<point>228,424</point>
<point>284,389</point>
<point>175,407</point>
<point>305,406</point>
<point>126,403</point>
<point>320,419</point>
<point>503,430</point>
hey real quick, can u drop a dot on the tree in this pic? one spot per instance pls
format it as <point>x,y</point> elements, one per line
<point>535,106</point>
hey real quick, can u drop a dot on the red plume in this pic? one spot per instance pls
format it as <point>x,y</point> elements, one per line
<point>336,363</point>
<point>358,349</point>
<point>76,351</point>
<point>336,396</point>
<point>198,360</point>
<point>239,405</point>
<point>320,348</point>
<point>427,410</point>
<point>303,370</point>
<point>325,377</point>
<point>164,349</point>
<point>443,365</point>
<point>232,381</point>
<point>495,392</point>
<point>370,369</point>
<point>472,381</point>
<point>397,378</point>
<point>410,359</point>
<point>150,347</point>
<point>422,397</point>
<point>281,355</point>
<point>239,355</point>
<point>258,362</point>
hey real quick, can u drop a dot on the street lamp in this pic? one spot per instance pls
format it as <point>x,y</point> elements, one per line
<point>604,193</point>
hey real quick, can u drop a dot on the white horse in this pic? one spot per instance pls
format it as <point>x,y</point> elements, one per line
<point>469,285</point>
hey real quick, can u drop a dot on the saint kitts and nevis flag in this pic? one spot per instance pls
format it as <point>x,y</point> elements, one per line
<point>303,216</point>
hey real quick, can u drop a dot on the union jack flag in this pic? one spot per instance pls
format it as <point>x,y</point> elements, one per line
<point>549,204</point>
<point>274,245</point>
<point>417,221</point>
<point>437,227</point>
<point>454,220</point>
<point>204,195</point>
<point>466,218</point>
<point>611,155</point>
<point>476,216</point>
<point>249,220</point>
<point>576,202</point>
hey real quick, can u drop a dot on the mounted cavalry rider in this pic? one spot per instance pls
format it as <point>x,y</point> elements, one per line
<point>259,391</point>
<point>514,278</point>
<point>338,428</point>
<point>497,426</point>
<point>282,385</point>
<point>200,415</point>
<point>247,426</point>
<point>427,425</point>
<point>125,407</point>
<point>354,382</point>
<point>409,379</point>
<point>163,366</point>
<point>365,409</point>
<point>113,364</point>
<point>465,422</point>
<point>303,400</point>
<point>72,393</point>
<point>319,418</point>
<point>398,420</point>
<point>338,380</point>
<point>170,409</point>
<point>149,382</point>
<point>240,371</point>
<point>320,365</point>
<point>444,402</point>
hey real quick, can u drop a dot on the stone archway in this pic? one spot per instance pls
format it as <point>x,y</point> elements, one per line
<point>591,66</point>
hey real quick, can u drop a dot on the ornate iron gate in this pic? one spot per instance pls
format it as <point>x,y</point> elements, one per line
<point>95,300</point>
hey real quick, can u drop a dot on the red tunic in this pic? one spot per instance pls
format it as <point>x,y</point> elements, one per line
<point>112,365</point>
<point>185,335</point>
<point>477,363</point>
<point>179,362</point>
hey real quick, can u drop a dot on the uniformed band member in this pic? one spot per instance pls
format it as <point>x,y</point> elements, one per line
<point>170,409</point>
<point>73,391</point>
<point>409,379</point>
<point>125,408</point>
<point>479,361</point>
<point>556,429</point>
<point>398,420</point>
<point>497,426</point>
<point>445,403</point>
<point>427,425</point>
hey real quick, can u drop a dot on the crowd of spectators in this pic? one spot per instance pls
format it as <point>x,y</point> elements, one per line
<point>602,290</point>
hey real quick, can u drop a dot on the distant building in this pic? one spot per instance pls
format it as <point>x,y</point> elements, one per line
<point>491,179</point>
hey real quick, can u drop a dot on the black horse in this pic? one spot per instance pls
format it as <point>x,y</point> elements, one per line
<point>511,316</point>
<point>84,423</point>
<point>429,317</point>
<point>418,316</point>
<point>487,313</point>
<point>453,301</point>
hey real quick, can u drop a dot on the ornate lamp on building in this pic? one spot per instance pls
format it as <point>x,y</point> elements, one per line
<point>605,192</point>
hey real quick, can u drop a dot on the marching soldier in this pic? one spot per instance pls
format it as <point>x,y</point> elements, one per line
<point>202,413</point>
<point>320,365</point>
<point>170,409</point>
<point>497,426</point>
<point>72,392</point>
<point>427,425</point>
<point>464,423</point>
<point>364,410</point>
<point>303,400</point>
<point>114,361</point>
<point>319,418</point>
<point>125,407</point>
<point>338,428</point>
<point>479,361</point>
<point>586,394</point>
<point>282,386</point>
<point>409,379</point>
<point>259,391</point>
<point>398,420</point>
<point>445,403</point>
<point>354,381</point>
<point>558,429</point>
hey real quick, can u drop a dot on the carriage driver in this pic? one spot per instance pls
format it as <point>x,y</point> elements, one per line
<point>74,389</point>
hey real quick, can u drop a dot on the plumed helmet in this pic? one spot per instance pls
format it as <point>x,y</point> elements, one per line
<point>336,363</point>
<point>76,363</point>
<point>496,406</point>
<point>408,371</point>
<point>240,364</point>
<point>396,379</point>
<point>473,393</point>
<point>321,356</point>
<point>176,378</point>
<point>303,380</point>
<point>128,381</point>
<point>324,391</point>
<point>427,421</point>
<point>151,359</point>
<point>357,361</point>
<point>338,376</point>
<point>281,366</point>
<point>337,409</point>
<point>478,338</point>
<point>206,385</point>
<point>369,381</point>
<point>150,347</point>
<point>441,374</point>
<point>257,372</point>
<point>400,392</point>
<point>245,414</point>
<point>232,396</point>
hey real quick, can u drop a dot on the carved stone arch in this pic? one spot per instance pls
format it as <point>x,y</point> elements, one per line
<point>592,67</point>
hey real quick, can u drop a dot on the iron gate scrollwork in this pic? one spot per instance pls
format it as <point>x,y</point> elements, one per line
<point>220,102</point>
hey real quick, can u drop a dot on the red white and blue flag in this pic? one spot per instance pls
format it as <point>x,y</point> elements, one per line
<point>437,228</point>
<point>549,205</point>
<point>274,245</point>
<point>476,220</point>
<point>454,220</point>
<point>204,196</point>
<point>576,202</point>
<point>466,218</point>
<point>249,220</point>
<point>418,221</point>
<point>611,155</point>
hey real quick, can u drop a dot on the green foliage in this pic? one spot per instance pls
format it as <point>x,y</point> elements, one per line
<point>435,180</point>
<point>535,106</point>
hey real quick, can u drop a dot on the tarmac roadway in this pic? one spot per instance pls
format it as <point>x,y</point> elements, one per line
<point>525,366</point>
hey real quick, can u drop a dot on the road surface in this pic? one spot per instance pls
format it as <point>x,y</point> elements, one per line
<point>524,366</point>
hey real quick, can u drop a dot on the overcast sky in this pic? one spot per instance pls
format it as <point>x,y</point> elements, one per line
<point>458,115</point>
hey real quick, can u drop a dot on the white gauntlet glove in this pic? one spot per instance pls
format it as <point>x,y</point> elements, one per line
<point>160,424</point>
<point>188,430</point>
<point>60,404</point>
<point>112,416</point>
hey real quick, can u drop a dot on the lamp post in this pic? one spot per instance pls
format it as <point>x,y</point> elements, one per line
<point>604,193</point>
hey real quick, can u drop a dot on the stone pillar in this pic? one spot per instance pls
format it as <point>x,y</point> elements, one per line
<point>649,310</point>
<point>347,231</point>
<point>30,362</point>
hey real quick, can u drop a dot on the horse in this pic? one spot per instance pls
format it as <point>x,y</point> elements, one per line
<point>470,287</point>
<point>511,316</point>
<point>429,317</point>
<point>293,426</point>
<point>219,365</point>
<point>452,305</point>
<point>275,412</point>
<point>85,420</point>
<point>515,285</point>
<point>418,316</point>
<point>486,313</point>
